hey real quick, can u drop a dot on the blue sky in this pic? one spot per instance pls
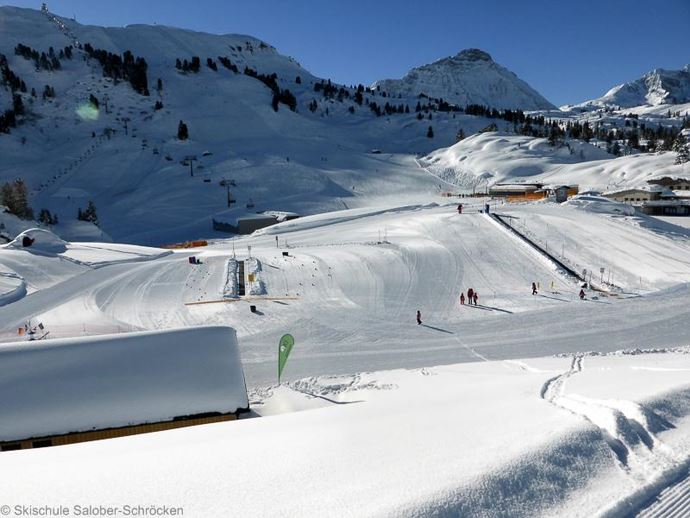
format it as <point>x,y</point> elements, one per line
<point>569,51</point>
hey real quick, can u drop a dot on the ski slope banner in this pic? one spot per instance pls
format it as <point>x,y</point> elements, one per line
<point>284,348</point>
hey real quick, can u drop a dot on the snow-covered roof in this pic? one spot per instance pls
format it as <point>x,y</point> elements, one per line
<point>247,217</point>
<point>281,215</point>
<point>54,387</point>
<point>643,188</point>
<point>234,216</point>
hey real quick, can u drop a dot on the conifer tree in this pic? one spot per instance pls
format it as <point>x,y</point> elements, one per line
<point>88,214</point>
<point>680,146</point>
<point>182,131</point>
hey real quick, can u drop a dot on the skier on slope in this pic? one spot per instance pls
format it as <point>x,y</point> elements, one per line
<point>475,297</point>
<point>419,317</point>
<point>582,294</point>
<point>460,208</point>
<point>462,298</point>
<point>470,292</point>
<point>534,288</point>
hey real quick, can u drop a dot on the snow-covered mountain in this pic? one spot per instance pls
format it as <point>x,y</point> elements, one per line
<point>469,77</point>
<point>125,154</point>
<point>101,121</point>
<point>655,88</point>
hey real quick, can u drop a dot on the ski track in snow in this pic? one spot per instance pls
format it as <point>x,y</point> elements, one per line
<point>672,502</point>
<point>630,430</point>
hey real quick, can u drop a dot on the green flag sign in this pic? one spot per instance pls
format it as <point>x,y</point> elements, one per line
<point>284,348</point>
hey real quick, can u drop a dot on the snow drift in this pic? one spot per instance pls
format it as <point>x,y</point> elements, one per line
<point>38,240</point>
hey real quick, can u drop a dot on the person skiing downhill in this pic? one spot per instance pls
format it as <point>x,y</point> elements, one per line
<point>470,292</point>
<point>419,317</point>
<point>534,288</point>
<point>462,299</point>
<point>582,294</point>
<point>475,297</point>
<point>460,208</point>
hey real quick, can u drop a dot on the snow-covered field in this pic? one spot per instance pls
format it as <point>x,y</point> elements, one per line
<point>563,436</point>
<point>465,425</point>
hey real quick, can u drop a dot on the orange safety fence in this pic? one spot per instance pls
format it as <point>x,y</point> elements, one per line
<point>528,196</point>
<point>186,244</point>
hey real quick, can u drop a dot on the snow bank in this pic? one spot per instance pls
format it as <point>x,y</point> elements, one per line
<point>102,254</point>
<point>230,287</point>
<point>12,286</point>
<point>79,384</point>
<point>38,240</point>
<point>258,287</point>
<point>601,205</point>
<point>457,440</point>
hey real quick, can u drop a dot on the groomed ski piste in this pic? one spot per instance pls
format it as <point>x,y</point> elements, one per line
<point>522,405</point>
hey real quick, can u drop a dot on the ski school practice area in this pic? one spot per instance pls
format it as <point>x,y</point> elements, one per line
<point>521,404</point>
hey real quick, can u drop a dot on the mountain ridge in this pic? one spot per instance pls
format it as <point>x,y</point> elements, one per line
<point>657,87</point>
<point>469,77</point>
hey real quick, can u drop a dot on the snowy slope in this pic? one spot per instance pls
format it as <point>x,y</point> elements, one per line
<point>469,77</point>
<point>638,253</point>
<point>374,271</point>
<point>481,160</point>
<point>128,160</point>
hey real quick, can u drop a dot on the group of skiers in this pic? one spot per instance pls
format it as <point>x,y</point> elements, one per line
<point>535,290</point>
<point>472,297</point>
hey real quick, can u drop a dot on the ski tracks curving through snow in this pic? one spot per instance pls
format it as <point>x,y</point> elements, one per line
<point>630,430</point>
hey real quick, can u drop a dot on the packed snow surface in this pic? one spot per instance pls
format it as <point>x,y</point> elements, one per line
<point>351,283</point>
<point>553,436</point>
<point>638,253</point>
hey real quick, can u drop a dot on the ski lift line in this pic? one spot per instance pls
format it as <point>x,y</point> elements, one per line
<point>567,269</point>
